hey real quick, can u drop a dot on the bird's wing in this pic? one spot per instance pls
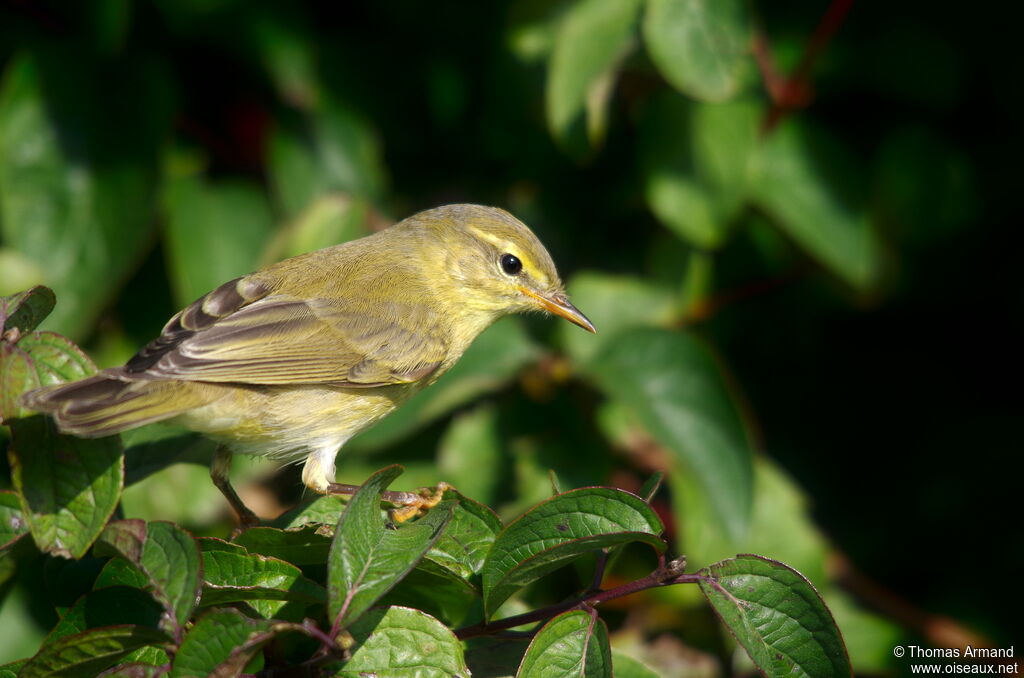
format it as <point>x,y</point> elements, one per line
<point>280,339</point>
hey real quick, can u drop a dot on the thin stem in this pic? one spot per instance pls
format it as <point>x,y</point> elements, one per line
<point>793,92</point>
<point>602,563</point>
<point>665,575</point>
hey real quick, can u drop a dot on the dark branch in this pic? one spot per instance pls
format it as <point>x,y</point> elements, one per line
<point>665,575</point>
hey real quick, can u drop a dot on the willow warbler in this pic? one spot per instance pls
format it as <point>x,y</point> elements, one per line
<point>293,360</point>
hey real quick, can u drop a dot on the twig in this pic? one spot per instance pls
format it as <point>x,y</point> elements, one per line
<point>665,575</point>
<point>794,91</point>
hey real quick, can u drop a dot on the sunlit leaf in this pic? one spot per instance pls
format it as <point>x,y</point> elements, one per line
<point>12,523</point>
<point>37,359</point>
<point>777,616</point>
<point>698,159</point>
<point>428,647</point>
<point>573,644</point>
<point>69,486</point>
<point>561,529</point>
<point>215,231</point>
<point>593,37</point>
<point>367,558</point>
<point>675,388</point>
<point>467,539</point>
<point>267,584</point>
<point>700,47</point>
<point>220,644</point>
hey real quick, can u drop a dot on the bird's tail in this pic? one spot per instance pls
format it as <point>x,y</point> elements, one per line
<point>104,404</point>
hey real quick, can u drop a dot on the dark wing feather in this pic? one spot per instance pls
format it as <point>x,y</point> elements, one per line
<point>199,315</point>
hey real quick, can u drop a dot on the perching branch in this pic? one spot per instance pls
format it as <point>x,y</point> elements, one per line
<point>665,575</point>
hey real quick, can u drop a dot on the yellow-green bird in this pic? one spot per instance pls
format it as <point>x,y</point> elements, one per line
<point>293,360</point>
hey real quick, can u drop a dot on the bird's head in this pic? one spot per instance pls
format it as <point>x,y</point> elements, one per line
<point>491,262</point>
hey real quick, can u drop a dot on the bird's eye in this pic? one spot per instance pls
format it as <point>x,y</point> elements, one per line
<point>510,264</point>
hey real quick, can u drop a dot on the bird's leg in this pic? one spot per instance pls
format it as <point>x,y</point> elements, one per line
<point>220,471</point>
<point>408,504</point>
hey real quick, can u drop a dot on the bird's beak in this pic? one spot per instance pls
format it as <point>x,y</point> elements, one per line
<point>559,305</point>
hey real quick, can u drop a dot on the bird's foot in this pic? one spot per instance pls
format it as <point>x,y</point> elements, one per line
<point>246,519</point>
<point>407,504</point>
<point>412,504</point>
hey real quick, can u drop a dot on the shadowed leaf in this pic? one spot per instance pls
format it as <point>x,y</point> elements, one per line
<point>169,558</point>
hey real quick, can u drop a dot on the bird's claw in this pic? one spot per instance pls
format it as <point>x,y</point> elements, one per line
<point>414,504</point>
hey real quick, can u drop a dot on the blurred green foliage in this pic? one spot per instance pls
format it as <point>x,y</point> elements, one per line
<point>792,319</point>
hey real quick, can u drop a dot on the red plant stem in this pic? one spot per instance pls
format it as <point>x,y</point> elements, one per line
<point>663,576</point>
<point>791,92</point>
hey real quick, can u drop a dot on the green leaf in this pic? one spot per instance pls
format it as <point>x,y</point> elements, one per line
<point>267,584</point>
<point>673,385</point>
<point>777,616</point>
<point>328,150</point>
<point>134,670</point>
<point>306,545</point>
<point>613,303</point>
<point>573,644</point>
<point>808,183</point>
<point>467,539</point>
<point>37,359</point>
<point>86,654</point>
<point>12,669</point>
<point>69,487</point>
<point>215,231</point>
<point>469,455</point>
<point>367,559</point>
<point>13,525</point>
<point>561,529</point>
<point>221,643</point>
<point>490,362</point>
<point>329,220</point>
<point>78,171</point>
<point>110,606</point>
<point>627,667</point>
<point>781,523</point>
<point>169,558</point>
<point>120,572</point>
<point>700,47</point>
<point>281,39</point>
<point>401,641</point>
<point>698,159</point>
<point>27,309</point>
<point>593,37</point>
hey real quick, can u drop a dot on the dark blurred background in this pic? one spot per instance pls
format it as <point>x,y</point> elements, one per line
<point>855,271</point>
